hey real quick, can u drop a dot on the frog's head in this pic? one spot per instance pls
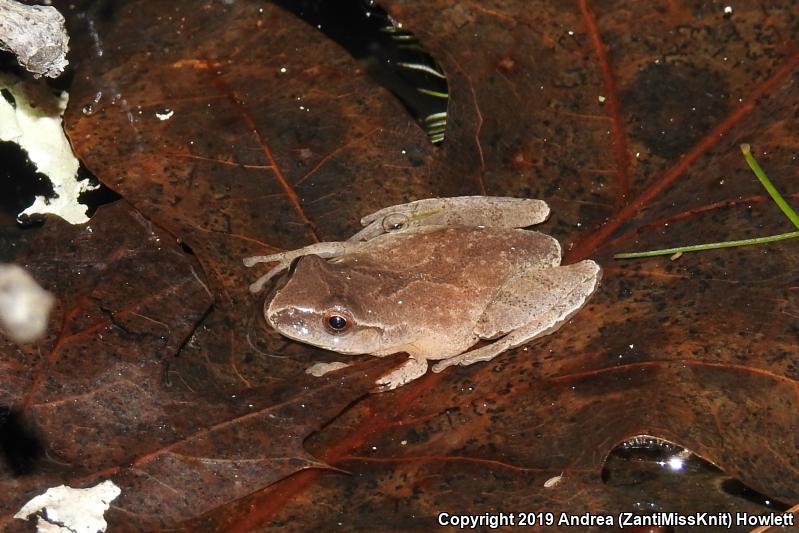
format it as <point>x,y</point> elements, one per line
<point>327,306</point>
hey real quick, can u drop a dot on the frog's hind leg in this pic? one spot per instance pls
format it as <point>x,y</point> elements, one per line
<point>411,369</point>
<point>534,304</point>
<point>489,211</point>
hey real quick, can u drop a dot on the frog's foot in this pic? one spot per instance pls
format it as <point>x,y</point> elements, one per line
<point>284,259</point>
<point>320,369</point>
<point>258,285</point>
<point>405,373</point>
<point>486,353</point>
<point>490,351</point>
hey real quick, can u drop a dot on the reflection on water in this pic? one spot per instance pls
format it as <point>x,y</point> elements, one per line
<point>654,475</point>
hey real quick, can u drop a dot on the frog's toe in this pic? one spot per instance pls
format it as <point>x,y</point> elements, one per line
<point>258,285</point>
<point>320,369</point>
<point>255,259</point>
<point>405,373</point>
<point>441,365</point>
<point>486,353</point>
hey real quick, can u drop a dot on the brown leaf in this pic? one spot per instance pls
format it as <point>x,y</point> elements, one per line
<point>624,117</point>
<point>106,397</point>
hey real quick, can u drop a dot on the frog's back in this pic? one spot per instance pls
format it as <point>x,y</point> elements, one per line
<point>453,252</point>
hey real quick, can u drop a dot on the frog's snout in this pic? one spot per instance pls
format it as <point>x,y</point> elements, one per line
<point>289,321</point>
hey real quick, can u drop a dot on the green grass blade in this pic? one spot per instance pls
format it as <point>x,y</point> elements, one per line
<point>709,246</point>
<point>772,191</point>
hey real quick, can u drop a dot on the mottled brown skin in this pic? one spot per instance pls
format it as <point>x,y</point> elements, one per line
<point>420,293</point>
<point>425,294</point>
<point>432,291</point>
<point>468,211</point>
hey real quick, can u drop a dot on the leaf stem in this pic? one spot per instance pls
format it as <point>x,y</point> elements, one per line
<point>709,246</point>
<point>772,191</point>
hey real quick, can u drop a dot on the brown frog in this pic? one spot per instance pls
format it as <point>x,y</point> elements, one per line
<point>431,278</point>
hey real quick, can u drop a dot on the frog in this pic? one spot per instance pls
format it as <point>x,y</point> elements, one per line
<point>430,278</point>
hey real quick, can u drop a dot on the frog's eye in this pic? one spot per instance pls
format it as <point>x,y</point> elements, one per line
<point>337,322</point>
<point>394,222</point>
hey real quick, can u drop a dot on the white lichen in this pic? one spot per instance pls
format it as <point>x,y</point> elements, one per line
<point>33,121</point>
<point>63,509</point>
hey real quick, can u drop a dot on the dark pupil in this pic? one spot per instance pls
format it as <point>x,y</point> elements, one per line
<point>337,322</point>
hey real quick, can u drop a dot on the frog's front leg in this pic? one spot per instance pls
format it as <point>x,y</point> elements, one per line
<point>411,369</point>
<point>555,294</point>
<point>489,211</point>
<point>284,259</point>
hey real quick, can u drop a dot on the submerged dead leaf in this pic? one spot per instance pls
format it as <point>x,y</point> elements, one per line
<point>242,130</point>
<point>106,398</point>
